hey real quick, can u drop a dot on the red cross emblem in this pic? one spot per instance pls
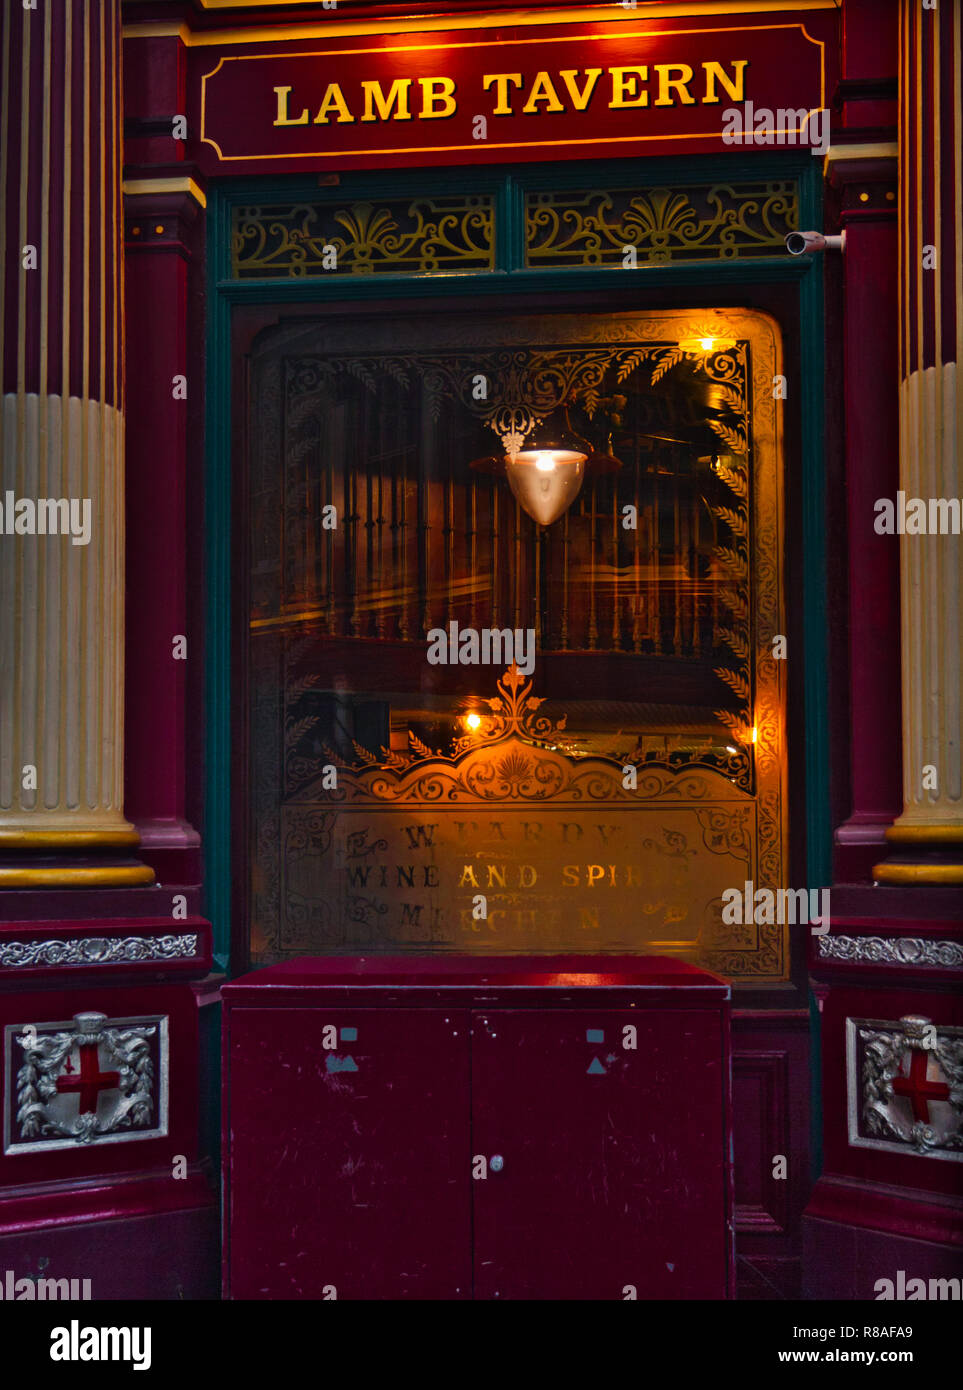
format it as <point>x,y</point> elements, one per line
<point>90,1080</point>
<point>918,1088</point>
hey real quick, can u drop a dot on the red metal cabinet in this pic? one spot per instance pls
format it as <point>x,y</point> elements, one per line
<point>348,1165</point>
<point>451,1127</point>
<point>613,1158</point>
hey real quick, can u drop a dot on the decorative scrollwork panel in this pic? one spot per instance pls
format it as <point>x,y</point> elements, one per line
<point>661,225</point>
<point>421,236</point>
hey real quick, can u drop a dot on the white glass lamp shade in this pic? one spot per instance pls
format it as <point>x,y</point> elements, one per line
<point>546,481</point>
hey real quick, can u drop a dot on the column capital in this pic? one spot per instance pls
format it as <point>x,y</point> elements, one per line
<point>163,214</point>
<point>864,178</point>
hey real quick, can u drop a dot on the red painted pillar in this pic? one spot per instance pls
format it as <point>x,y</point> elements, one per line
<point>100,967</point>
<point>887,975</point>
<point>160,226</point>
<point>862,175</point>
<point>164,219</point>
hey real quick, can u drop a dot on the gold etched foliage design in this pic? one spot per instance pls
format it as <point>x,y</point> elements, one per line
<point>697,223</point>
<point>530,384</point>
<point>515,755</point>
<point>728,371</point>
<point>423,236</point>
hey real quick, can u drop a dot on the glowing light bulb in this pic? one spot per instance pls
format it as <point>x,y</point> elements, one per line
<point>706,344</point>
<point>473,721</point>
<point>545,462</point>
<point>755,734</point>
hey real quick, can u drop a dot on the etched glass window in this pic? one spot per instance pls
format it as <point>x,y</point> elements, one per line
<point>472,731</point>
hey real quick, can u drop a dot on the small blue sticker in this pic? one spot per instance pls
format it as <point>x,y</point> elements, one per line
<point>349,1035</point>
<point>595,1035</point>
<point>340,1063</point>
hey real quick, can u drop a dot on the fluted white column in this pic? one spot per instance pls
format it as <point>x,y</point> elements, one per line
<point>930,830</point>
<point>62,450</point>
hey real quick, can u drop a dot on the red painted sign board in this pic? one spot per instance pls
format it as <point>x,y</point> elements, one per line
<point>333,98</point>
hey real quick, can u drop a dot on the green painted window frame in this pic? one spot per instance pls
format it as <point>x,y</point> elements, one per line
<point>508,185</point>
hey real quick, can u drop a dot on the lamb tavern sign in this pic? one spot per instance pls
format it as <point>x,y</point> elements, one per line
<point>549,85</point>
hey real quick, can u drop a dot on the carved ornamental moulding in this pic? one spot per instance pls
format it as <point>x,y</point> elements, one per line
<point>89,1080</point>
<point>905,1086</point>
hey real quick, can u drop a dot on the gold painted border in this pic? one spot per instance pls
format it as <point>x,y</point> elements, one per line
<point>134,187</point>
<point>921,834</point>
<point>66,839</point>
<point>426,24</point>
<point>918,873</point>
<point>601,138</point>
<point>123,876</point>
<point>887,150</point>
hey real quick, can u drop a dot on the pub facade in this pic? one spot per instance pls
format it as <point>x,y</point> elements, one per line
<point>460,481</point>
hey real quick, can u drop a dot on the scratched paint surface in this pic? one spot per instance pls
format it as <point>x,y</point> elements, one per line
<point>614,1159</point>
<point>482,1149</point>
<point>356,1179</point>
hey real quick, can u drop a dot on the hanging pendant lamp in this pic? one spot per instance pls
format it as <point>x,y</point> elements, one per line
<point>547,473</point>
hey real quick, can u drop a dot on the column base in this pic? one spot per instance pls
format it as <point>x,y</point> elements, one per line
<point>146,1236</point>
<point>172,848</point>
<point>927,854</point>
<point>859,844</point>
<point>857,1236</point>
<point>71,859</point>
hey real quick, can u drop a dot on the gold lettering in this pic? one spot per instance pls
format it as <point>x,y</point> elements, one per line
<point>430,97</point>
<point>665,82</point>
<point>627,87</point>
<point>570,875</point>
<point>283,94</point>
<point>593,873</point>
<point>468,877</point>
<point>542,90</point>
<point>374,97</point>
<point>736,88</point>
<point>580,99</point>
<point>631,877</point>
<point>333,100</point>
<point>500,80</point>
<point>527,877</point>
<point>496,876</point>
